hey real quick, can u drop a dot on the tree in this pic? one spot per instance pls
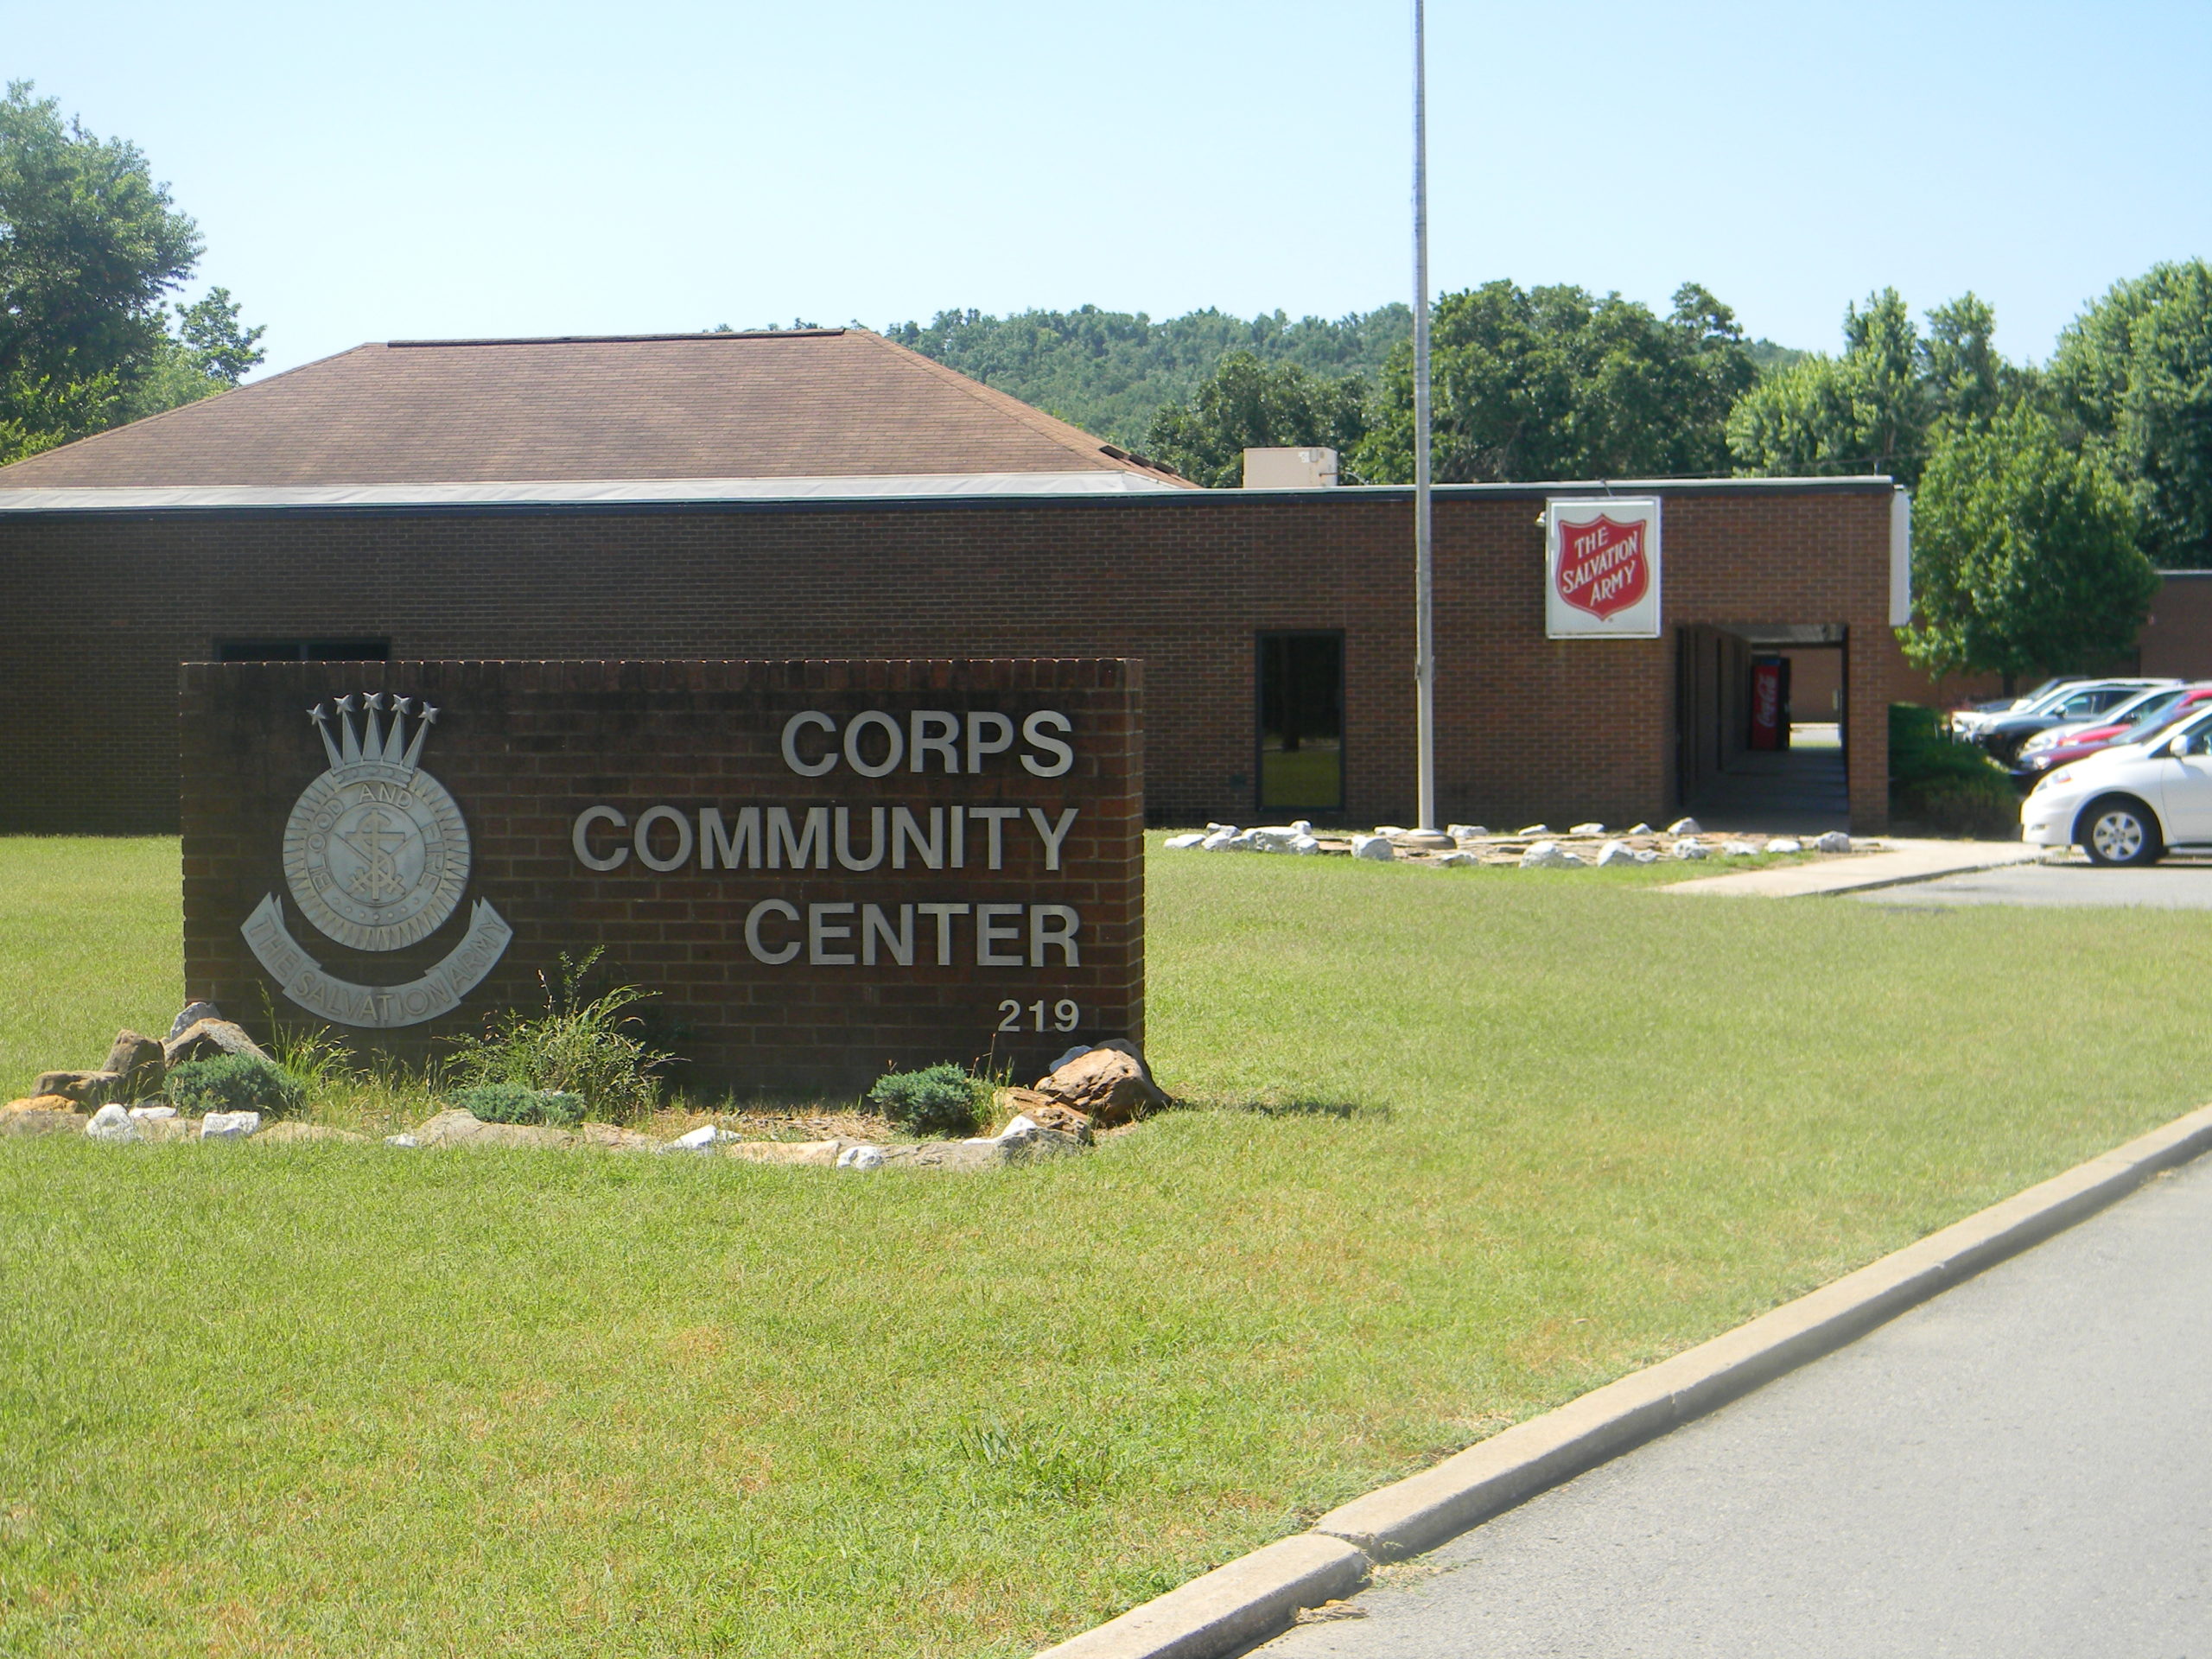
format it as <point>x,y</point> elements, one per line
<point>90,248</point>
<point>1555,383</point>
<point>2024,555</point>
<point>1863,412</point>
<point>1246,403</point>
<point>2135,369</point>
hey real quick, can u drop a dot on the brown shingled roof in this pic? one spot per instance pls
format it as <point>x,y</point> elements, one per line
<point>799,403</point>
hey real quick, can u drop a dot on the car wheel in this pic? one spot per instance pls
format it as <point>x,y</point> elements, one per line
<point>2118,831</point>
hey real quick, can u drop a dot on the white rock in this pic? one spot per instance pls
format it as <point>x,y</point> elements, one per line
<point>1177,843</point>
<point>1834,842</point>
<point>1537,829</point>
<point>702,1139</point>
<point>1685,827</point>
<point>1217,840</point>
<point>1020,1127</point>
<point>1466,831</point>
<point>401,1140</point>
<point>1615,852</point>
<point>229,1126</point>
<point>111,1122</point>
<point>1279,838</point>
<point>1785,844</point>
<point>142,1113</point>
<point>1690,849</point>
<point>1377,847</point>
<point>1637,829</point>
<point>1737,850</point>
<point>1549,856</point>
<point>861,1157</point>
<point>1644,856</point>
<point>1389,828</point>
<point>1459,861</point>
<point>1590,828</point>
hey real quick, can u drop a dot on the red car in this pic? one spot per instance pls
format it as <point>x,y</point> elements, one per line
<point>2090,740</point>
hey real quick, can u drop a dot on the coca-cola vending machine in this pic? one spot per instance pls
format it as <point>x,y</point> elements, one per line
<point>1769,702</point>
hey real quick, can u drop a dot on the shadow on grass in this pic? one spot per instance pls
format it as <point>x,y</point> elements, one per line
<point>1341,1109</point>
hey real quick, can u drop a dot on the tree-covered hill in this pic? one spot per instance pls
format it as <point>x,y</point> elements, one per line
<point>1110,372</point>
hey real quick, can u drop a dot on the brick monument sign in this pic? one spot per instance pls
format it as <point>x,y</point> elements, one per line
<point>823,869</point>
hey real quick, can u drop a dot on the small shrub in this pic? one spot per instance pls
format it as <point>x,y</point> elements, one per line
<point>587,1047</point>
<point>939,1100</point>
<point>234,1083</point>
<point>1946,783</point>
<point>511,1102</point>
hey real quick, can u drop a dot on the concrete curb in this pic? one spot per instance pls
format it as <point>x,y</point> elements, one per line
<point>1907,863</point>
<point>1257,1596</point>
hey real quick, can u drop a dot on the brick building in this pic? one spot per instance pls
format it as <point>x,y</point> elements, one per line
<point>827,494</point>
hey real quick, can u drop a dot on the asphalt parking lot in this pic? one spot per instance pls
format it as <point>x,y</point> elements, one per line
<point>2177,884</point>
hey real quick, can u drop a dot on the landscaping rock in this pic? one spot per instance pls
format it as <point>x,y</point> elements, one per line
<point>1218,840</point>
<point>1737,850</point>
<point>229,1126</point>
<point>401,1140</point>
<point>1637,829</point>
<point>292,1133</point>
<point>193,1013</point>
<point>204,1038</point>
<point>825,1153</point>
<point>139,1062</point>
<point>1644,856</point>
<point>13,1122</point>
<point>1043,1109</point>
<point>1109,1084</point>
<point>861,1157</point>
<point>1785,844</point>
<point>1426,841</point>
<point>456,1128</point>
<point>702,1139</point>
<point>1377,847</point>
<point>42,1104</point>
<point>1537,829</point>
<point>1177,843</point>
<point>1690,849</point>
<point>1834,842</point>
<point>111,1123</point>
<point>166,1129</point>
<point>1615,852</point>
<point>1549,856</point>
<point>1591,829</point>
<point>1685,827</point>
<point>612,1138</point>
<point>1459,861</point>
<point>86,1089</point>
<point>1466,831</point>
<point>1021,1142</point>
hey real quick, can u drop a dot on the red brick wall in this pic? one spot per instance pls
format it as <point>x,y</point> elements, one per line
<point>108,603</point>
<point>524,748</point>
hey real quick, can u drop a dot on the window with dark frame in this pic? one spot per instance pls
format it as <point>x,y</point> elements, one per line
<point>303,650</point>
<point>1301,704</point>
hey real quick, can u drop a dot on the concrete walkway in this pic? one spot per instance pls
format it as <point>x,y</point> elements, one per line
<point>2174,885</point>
<point>2017,1467</point>
<point>1906,861</point>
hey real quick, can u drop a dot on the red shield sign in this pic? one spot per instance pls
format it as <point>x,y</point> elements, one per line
<point>1604,566</point>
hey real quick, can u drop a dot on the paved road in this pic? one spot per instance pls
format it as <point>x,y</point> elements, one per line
<point>2174,885</point>
<point>2020,1468</point>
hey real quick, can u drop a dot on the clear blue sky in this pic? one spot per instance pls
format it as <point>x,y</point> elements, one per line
<point>404,169</point>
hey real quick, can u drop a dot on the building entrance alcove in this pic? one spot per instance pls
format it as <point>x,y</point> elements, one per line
<point>1760,714</point>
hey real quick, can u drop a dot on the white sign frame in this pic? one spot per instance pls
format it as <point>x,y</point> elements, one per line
<point>1638,620</point>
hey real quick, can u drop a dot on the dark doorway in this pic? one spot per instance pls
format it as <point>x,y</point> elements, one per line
<point>1302,721</point>
<point>1725,776</point>
<point>302,650</point>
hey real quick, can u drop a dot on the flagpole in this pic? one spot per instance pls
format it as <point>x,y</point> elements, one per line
<point>1424,606</point>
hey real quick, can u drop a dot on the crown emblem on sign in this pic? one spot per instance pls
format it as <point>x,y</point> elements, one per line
<point>382,737</point>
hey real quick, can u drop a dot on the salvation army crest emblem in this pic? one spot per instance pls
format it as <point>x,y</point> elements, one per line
<point>376,857</point>
<point>1602,568</point>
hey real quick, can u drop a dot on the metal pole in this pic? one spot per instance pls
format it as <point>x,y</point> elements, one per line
<point>1424,608</point>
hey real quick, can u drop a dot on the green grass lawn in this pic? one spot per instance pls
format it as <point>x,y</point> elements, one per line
<point>1468,1144</point>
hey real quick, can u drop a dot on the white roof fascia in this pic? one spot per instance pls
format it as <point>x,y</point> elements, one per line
<point>578,491</point>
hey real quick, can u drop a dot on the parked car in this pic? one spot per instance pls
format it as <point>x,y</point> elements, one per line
<point>2063,746</point>
<point>1965,720</point>
<point>2004,735</point>
<point>2132,803</point>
